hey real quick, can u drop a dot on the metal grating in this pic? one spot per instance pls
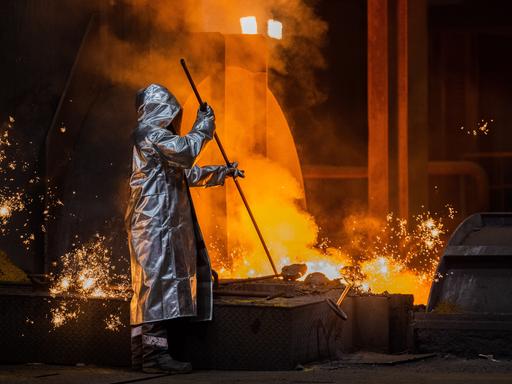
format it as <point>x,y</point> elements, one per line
<point>245,334</point>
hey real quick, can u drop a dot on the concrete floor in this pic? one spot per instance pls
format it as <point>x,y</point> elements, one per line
<point>438,369</point>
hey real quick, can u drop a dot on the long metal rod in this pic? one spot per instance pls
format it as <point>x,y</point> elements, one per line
<point>248,280</point>
<point>228,163</point>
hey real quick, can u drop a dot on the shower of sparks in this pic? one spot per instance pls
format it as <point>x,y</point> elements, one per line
<point>9,204</point>
<point>5,212</point>
<point>397,256</point>
<point>16,196</point>
<point>113,323</point>
<point>11,199</point>
<point>394,255</point>
<point>5,142</point>
<point>482,128</point>
<point>63,313</point>
<point>87,272</point>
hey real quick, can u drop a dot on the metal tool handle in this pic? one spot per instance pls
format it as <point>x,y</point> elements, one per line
<point>344,294</point>
<point>228,163</point>
<point>196,92</point>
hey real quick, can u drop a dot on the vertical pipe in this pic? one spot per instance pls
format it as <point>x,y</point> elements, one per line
<point>378,115</point>
<point>403,106</point>
<point>417,105</point>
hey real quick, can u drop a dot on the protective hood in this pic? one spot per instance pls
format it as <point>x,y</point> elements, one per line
<point>158,107</point>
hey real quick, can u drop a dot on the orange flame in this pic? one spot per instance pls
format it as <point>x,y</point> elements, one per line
<point>392,255</point>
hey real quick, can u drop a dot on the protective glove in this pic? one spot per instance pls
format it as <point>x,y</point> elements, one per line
<point>205,121</point>
<point>234,172</point>
<point>205,111</point>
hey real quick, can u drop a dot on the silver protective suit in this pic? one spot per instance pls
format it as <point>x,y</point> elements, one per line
<point>170,268</point>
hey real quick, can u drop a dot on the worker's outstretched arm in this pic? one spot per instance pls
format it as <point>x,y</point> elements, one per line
<point>211,175</point>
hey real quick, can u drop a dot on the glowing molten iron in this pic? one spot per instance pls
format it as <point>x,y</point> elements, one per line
<point>390,255</point>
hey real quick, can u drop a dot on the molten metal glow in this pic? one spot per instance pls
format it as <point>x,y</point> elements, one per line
<point>391,255</point>
<point>399,257</point>
<point>328,268</point>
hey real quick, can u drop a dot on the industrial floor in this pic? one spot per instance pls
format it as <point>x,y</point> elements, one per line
<point>361,368</point>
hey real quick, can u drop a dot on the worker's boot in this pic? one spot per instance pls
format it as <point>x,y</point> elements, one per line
<point>136,344</point>
<point>156,358</point>
<point>164,363</point>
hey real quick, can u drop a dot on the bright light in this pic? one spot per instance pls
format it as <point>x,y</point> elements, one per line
<point>275,29</point>
<point>5,211</point>
<point>249,25</point>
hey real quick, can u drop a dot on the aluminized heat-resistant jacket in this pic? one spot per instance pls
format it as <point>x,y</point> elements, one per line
<point>170,268</point>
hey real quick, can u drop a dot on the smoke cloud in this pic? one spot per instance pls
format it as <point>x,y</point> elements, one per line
<point>142,41</point>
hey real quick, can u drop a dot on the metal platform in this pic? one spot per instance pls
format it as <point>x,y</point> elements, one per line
<point>247,333</point>
<point>260,334</point>
<point>26,334</point>
<point>265,331</point>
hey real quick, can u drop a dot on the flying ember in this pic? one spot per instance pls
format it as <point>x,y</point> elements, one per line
<point>87,272</point>
<point>5,211</point>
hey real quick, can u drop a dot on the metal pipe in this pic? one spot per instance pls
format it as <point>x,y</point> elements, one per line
<point>248,280</point>
<point>223,292</point>
<point>439,168</point>
<point>467,168</point>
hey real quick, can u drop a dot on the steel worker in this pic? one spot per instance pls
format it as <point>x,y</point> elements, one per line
<point>170,267</point>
